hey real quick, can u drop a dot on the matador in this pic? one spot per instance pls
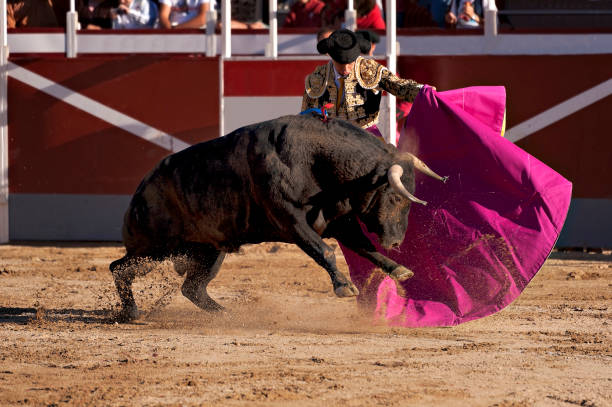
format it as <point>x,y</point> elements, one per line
<point>353,84</point>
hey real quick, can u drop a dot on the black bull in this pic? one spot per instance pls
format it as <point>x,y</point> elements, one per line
<point>294,179</point>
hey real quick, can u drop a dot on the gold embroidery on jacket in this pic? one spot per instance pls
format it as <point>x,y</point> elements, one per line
<point>332,91</point>
<point>368,121</point>
<point>350,86</point>
<point>368,72</point>
<point>316,82</point>
<point>308,102</point>
<point>355,99</point>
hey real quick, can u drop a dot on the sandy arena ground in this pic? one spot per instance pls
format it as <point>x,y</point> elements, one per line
<point>287,340</point>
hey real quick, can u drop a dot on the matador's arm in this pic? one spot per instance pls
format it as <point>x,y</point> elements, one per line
<point>403,89</point>
<point>372,75</point>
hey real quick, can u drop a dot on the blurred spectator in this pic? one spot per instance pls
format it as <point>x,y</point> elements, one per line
<point>417,13</point>
<point>246,15</point>
<point>93,14</point>
<point>332,14</point>
<point>324,33</point>
<point>245,10</point>
<point>30,13</point>
<point>133,14</point>
<point>422,13</point>
<point>236,24</point>
<point>96,14</point>
<point>437,9</point>
<point>466,13</point>
<point>367,41</point>
<point>184,13</point>
<point>369,15</point>
<point>305,13</point>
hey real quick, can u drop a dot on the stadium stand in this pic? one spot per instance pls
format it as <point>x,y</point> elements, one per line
<point>567,14</point>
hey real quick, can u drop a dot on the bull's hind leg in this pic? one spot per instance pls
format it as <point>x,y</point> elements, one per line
<point>200,266</point>
<point>123,271</point>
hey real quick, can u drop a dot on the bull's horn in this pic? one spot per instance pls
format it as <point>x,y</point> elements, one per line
<point>395,180</point>
<point>421,166</point>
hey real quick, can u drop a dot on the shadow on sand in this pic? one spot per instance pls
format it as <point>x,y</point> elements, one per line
<point>20,315</point>
<point>64,243</point>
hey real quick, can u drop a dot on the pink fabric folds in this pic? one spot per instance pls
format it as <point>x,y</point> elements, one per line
<point>484,234</point>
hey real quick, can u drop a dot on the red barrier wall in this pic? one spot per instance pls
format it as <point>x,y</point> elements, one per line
<point>57,148</point>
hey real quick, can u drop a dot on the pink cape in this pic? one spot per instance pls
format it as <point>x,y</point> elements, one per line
<point>484,234</point>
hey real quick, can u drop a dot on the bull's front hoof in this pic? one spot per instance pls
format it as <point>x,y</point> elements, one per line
<point>348,290</point>
<point>401,273</point>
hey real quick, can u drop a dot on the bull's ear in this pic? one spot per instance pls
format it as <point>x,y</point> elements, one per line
<point>379,176</point>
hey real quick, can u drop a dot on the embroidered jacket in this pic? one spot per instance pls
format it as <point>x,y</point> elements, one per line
<point>362,91</point>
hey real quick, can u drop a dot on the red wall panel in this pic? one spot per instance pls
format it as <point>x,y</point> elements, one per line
<point>178,94</point>
<point>266,78</point>
<point>57,148</point>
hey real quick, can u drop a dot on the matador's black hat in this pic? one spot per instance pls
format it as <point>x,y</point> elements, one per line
<point>341,45</point>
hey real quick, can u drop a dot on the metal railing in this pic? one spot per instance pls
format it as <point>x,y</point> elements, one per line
<point>554,12</point>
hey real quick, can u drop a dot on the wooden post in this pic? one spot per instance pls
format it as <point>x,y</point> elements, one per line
<point>211,38</point>
<point>4,164</point>
<point>272,47</point>
<point>226,28</point>
<point>350,16</point>
<point>72,24</point>
<point>391,39</point>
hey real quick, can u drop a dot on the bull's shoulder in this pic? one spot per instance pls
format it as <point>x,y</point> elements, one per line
<point>368,72</point>
<point>316,82</point>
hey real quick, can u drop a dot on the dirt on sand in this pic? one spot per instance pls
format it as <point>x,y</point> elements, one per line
<point>287,340</point>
